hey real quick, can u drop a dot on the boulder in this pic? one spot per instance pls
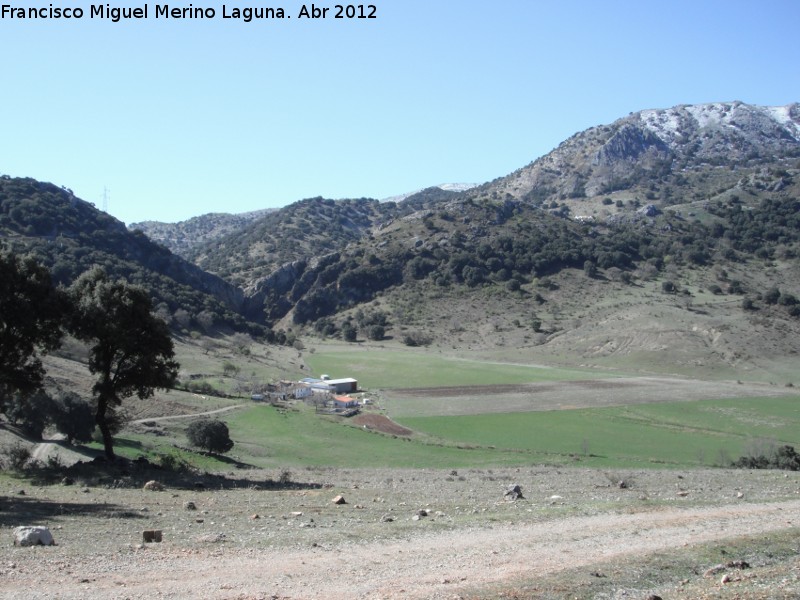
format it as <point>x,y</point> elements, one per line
<point>153,486</point>
<point>339,500</point>
<point>514,492</point>
<point>152,535</point>
<point>33,536</point>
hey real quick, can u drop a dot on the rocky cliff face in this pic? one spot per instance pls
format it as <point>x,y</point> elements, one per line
<point>659,142</point>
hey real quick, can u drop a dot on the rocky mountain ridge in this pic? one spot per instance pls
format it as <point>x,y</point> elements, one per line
<point>183,237</point>
<point>657,145</point>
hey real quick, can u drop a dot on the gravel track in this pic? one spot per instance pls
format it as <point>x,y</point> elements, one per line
<point>308,548</point>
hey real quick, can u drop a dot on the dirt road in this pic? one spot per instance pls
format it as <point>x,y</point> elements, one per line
<point>441,565</point>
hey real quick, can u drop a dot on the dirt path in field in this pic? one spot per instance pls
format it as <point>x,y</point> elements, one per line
<point>443,565</point>
<point>190,415</point>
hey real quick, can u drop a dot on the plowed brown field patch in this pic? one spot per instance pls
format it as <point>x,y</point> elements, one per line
<point>380,423</point>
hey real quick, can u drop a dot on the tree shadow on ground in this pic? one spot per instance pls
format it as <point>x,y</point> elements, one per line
<point>133,474</point>
<point>19,509</point>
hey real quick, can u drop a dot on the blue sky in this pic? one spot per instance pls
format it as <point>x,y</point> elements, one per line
<point>180,118</point>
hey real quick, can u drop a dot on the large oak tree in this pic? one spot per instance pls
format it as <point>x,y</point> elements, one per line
<point>31,313</point>
<point>131,350</point>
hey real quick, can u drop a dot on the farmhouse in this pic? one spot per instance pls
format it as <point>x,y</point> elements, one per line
<point>344,402</point>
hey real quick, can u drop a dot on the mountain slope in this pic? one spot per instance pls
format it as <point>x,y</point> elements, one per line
<point>660,151</point>
<point>182,238</point>
<point>301,231</point>
<point>710,211</point>
<point>69,236</point>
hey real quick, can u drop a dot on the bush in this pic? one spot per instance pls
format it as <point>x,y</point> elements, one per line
<point>172,462</point>
<point>31,413</point>
<point>417,338</point>
<point>15,457</point>
<point>211,435</point>
<point>783,457</point>
<point>376,332</point>
<point>74,417</point>
<point>349,332</point>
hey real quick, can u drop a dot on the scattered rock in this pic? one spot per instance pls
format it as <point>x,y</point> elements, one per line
<point>653,597</point>
<point>514,492</point>
<point>153,486</point>
<point>725,579</point>
<point>339,500</point>
<point>33,536</point>
<point>254,517</point>
<point>387,519</point>
<point>738,564</point>
<point>152,535</point>
<point>422,512</point>
<point>190,505</point>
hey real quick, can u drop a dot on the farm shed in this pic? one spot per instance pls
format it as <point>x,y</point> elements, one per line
<point>343,386</point>
<point>318,386</point>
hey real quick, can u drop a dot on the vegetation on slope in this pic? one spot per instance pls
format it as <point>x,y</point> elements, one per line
<point>69,236</point>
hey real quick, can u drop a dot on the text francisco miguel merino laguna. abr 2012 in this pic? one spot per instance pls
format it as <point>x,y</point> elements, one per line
<point>164,11</point>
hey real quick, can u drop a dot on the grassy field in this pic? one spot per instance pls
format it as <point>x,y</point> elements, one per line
<point>665,435</point>
<point>393,369</point>
<point>679,434</point>
<point>270,438</point>
<point>588,417</point>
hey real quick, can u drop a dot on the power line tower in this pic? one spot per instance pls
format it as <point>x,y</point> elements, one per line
<point>106,196</point>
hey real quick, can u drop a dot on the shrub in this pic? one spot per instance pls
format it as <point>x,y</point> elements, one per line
<point>783,457</point>
<point>211,435</point>
<point>15,457</point>
<point>376,332</point>
<point>172,462</point>
<point>31,413</point>
<point>74,417</point>
<point>349,333</point>
<point>417,338</point>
